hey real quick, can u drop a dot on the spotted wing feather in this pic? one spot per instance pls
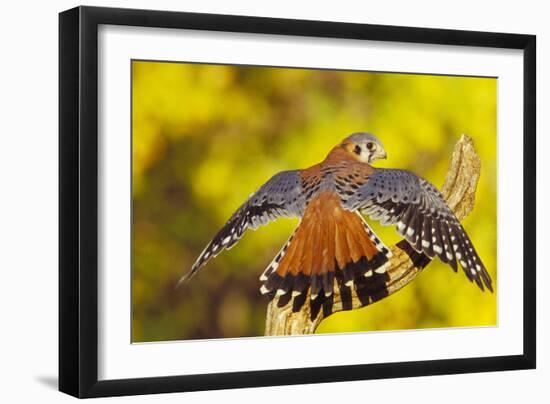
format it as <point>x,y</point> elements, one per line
<point>281,196</point>
<point>417,208</point>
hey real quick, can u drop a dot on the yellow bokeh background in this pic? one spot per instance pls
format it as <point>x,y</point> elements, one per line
<point>206,136</point>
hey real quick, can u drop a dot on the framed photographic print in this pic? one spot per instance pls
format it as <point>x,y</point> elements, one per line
<point>251,201</point>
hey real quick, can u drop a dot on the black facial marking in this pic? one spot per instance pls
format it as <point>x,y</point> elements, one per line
<point>357,149</point>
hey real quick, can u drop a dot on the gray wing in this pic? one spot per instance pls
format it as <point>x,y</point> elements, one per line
<point>281,196</point>
<point>417,208</point>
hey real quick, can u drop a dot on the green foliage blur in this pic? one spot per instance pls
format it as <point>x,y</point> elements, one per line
<point>206,136</point>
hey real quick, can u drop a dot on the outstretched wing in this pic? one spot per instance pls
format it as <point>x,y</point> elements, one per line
<point>281,196</point>
<point>421,215</point>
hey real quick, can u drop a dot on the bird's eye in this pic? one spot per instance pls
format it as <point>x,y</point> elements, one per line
<point>370,145</point>
<point>357,149</point>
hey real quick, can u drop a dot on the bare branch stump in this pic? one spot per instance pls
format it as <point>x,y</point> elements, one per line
<point>459,191</point>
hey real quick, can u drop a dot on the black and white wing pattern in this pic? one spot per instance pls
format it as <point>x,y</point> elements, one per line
<point>417,208</point>
<point>281,196</point>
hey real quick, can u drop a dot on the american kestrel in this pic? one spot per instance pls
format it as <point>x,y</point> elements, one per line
<point>333,246</point>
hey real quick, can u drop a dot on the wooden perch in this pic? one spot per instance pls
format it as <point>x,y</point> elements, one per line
<point>459,192</point>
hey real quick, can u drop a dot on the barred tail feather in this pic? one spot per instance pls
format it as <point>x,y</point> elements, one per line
<point>331,248</point>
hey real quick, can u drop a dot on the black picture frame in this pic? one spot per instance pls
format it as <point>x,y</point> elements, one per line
<point>78,200</point>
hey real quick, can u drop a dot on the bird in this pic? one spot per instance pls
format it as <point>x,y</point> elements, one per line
<point>333,246</point>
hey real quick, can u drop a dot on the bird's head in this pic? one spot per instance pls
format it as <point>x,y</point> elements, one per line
<point>364,147</point>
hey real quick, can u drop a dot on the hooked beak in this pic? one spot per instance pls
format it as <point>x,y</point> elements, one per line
<point>378,156</point>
